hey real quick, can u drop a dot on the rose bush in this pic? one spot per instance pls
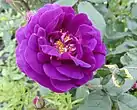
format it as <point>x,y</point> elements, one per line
<point>59,49</point>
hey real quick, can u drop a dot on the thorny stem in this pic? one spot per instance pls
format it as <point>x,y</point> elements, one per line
<point>25,4</point>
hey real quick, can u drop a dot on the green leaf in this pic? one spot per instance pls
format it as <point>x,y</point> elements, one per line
<point>115,91</point>
<point>93,14</point>
<point>134,10</point>
<point>82,92</point>
<point>94,84</point>
<point>6,37</point>
<point>118,35</point>
<point>129,57</point>
<point>97,100</point>
<point>124,47</point>
<point>127,102</point>
<point>132,25</point>
<point>118,80</point>
<point>106,79</point>
<point>67,2</point>
<point>44,91</point>
<point>97,1</point>
<point>16,76</point>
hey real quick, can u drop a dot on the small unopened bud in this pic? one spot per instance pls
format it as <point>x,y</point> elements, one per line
<point>39,102</point>
<point>135,86</point>
<point>8,1</point>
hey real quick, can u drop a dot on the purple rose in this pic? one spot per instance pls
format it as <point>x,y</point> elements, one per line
<point>59,49</point>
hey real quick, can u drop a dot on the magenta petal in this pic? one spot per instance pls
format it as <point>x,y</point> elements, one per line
<point>67,20</point>
<point>36,28</point>
<point>62,85</point>
<point>41,79</point>
<point>19,59</point>
<point>43,58</point>
<point>100,48</point>
<point>77,21</point>
<point>33,43</point>
<point>48,16</point>
<point>70,71</point>
<point>68,10</point>
<point>65,56</point>
<point>91,44</point>
<point>79,50</point>
<point>47,49</point>
<point>56,23</point>
<point>80,62</point>
<point>41,32</point>
<point>22,46</point>
<point>42,41</point>
<point>51,72</point>
<point>84,80</point>
<point>29,29</point>
<point>31,59</point>
<point>100,60</point>
<point>20,35</point>
<point>47,7</point>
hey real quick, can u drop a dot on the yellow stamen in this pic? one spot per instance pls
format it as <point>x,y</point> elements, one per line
<point>60,46</point>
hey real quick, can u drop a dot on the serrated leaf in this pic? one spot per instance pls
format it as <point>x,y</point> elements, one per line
<point>67,2</point>
<point>127,102</point>
<point>97,100</point>
<point>93,14</point>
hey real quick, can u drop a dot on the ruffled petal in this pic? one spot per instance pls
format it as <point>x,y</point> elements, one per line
<point>41,32</point>
<point>20,35</point>
<point>100,48</point>
<point>84,80</point>
<point>51,72</point>
<point>55,23</point>
<point>33,42</point>
<point>78,20</point>
<point>47,49</point>
<point>19,59</point>
<point>31,59</point>
<point>62,85</point>
<point>100,60</point>
<point>48,16</point>
<point>70,71</point>
<point>68,10</point>
<point>80,62</point>
<point>43,58</point>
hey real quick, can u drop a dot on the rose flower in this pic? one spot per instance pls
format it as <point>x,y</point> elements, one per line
<point>59,49</point>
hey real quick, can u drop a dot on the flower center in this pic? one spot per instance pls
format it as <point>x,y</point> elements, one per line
<point>60,46</point>
<point>64,44</point>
